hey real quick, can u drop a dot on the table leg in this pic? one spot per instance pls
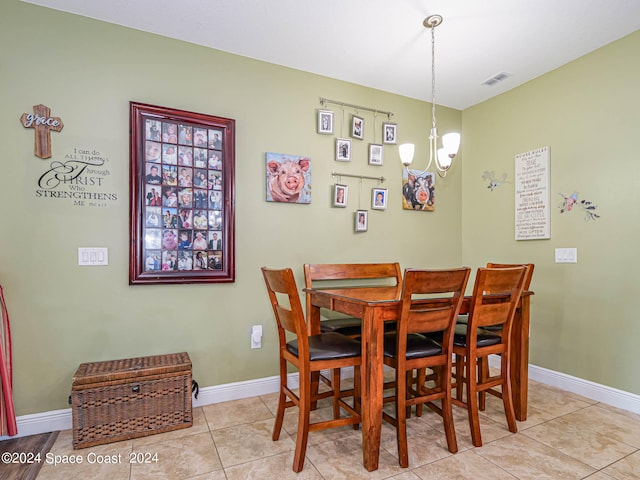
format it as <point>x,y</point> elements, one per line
<point>372,381</point>
<point>520,359</point>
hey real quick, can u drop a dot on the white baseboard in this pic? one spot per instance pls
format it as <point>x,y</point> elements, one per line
<point>44,422</point>
<point>36,423</point>
<point>594,391</point>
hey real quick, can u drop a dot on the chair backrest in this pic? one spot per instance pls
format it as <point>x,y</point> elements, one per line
<point>289,316</point>
<point>528,276</point>
<point>350,271</point>
<point>415,318</point>
<point>335,272</point>
<point>496,293</point>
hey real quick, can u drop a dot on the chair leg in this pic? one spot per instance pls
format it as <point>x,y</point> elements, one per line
<point>282,400</point>
<point>483,374</point>
<point>401,418</point>
<point>335,385</point>
<point>447,414</point>
<point>409,380</point>
<point>304,409</point>
<point>357,392</point>
<point>472,403</point>
<point>421,380</point>
<point>459,377</point>
<point>277,426</point>
<point>315,387</point>
<point>507,399</point>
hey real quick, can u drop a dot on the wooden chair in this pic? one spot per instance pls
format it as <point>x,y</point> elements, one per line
<point>341,274</point>
<point>528,277</point>
<point>407,349</point>
<point>483,363</point>
<point>527,282</point>
<point>308,354</point>
<point>334,274</point>
<point>496,294</point>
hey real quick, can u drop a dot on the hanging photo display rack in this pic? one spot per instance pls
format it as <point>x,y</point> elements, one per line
<point>182,167</point>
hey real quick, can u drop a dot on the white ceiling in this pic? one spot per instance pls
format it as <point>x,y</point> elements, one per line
<point>382,43</point>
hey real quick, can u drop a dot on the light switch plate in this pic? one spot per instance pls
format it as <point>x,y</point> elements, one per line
<point>566,255</point>
<point>93,256</point>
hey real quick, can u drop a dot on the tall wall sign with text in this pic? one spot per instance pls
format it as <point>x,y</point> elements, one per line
<point>80,178</point>
<point>532,195</point>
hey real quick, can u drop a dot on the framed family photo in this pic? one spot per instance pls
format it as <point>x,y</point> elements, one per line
<point>379,198</point>
<point>357,127</point>
<point>325,122</point>
<point>390,133</point>
<point>362,220</point>
<point>375,154</point>
<point>343,150</point>
<point>340,195</point>
<point>182,169</point>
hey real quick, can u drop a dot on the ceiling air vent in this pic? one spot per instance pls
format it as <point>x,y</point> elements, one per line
<point>497,78</point>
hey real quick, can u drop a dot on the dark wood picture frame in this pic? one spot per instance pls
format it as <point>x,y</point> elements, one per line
<point>182,214</point>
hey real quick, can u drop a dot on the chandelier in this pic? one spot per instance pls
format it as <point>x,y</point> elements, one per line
<point>443,157</point>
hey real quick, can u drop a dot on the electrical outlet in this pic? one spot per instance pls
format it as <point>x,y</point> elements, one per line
<point>256,336</point>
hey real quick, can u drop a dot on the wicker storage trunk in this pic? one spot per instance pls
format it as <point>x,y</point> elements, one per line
<point>122,399</point>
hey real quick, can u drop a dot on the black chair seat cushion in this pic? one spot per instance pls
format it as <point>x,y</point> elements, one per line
<point>327,346</point>
<point>349,326</point>
<point>485,337</point>
<point>418,346</point>
<point>464,319</point>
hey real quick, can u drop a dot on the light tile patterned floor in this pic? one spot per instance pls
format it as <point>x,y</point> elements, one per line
<point>565,437</point>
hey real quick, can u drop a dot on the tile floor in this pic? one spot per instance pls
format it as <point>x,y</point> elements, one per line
<point>565,437</point>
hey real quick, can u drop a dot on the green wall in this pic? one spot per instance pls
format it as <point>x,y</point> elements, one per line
<point>87,72</point>
<point>584,315</point>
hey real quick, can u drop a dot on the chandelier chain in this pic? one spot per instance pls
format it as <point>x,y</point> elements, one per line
<point>433,77</point>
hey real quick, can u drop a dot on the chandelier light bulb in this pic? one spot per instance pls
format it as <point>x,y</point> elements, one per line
<point>444,159</point>
<point>451,143</point>
<point>406,151</point>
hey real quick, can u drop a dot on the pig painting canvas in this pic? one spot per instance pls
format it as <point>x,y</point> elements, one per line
<point>288,178</point>
<point>418,190</point>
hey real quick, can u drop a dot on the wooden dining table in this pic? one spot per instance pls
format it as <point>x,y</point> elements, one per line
<point>377,305</point>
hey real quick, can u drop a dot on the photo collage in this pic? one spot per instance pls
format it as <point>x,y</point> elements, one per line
<point>183,197</point>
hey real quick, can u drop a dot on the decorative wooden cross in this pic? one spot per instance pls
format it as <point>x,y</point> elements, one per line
<point>41,121</point>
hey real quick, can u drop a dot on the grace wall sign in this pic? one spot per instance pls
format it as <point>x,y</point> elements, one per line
<point>42,122</point>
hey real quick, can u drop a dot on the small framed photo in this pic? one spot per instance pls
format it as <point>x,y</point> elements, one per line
<point>379,198</point>
<point>343,150</point>
<point>375,154</point>
<point>340,195</point>
<point>357,127</point>
<point>325,122</point>
<point>362,220</point>
<point>390,133</point>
